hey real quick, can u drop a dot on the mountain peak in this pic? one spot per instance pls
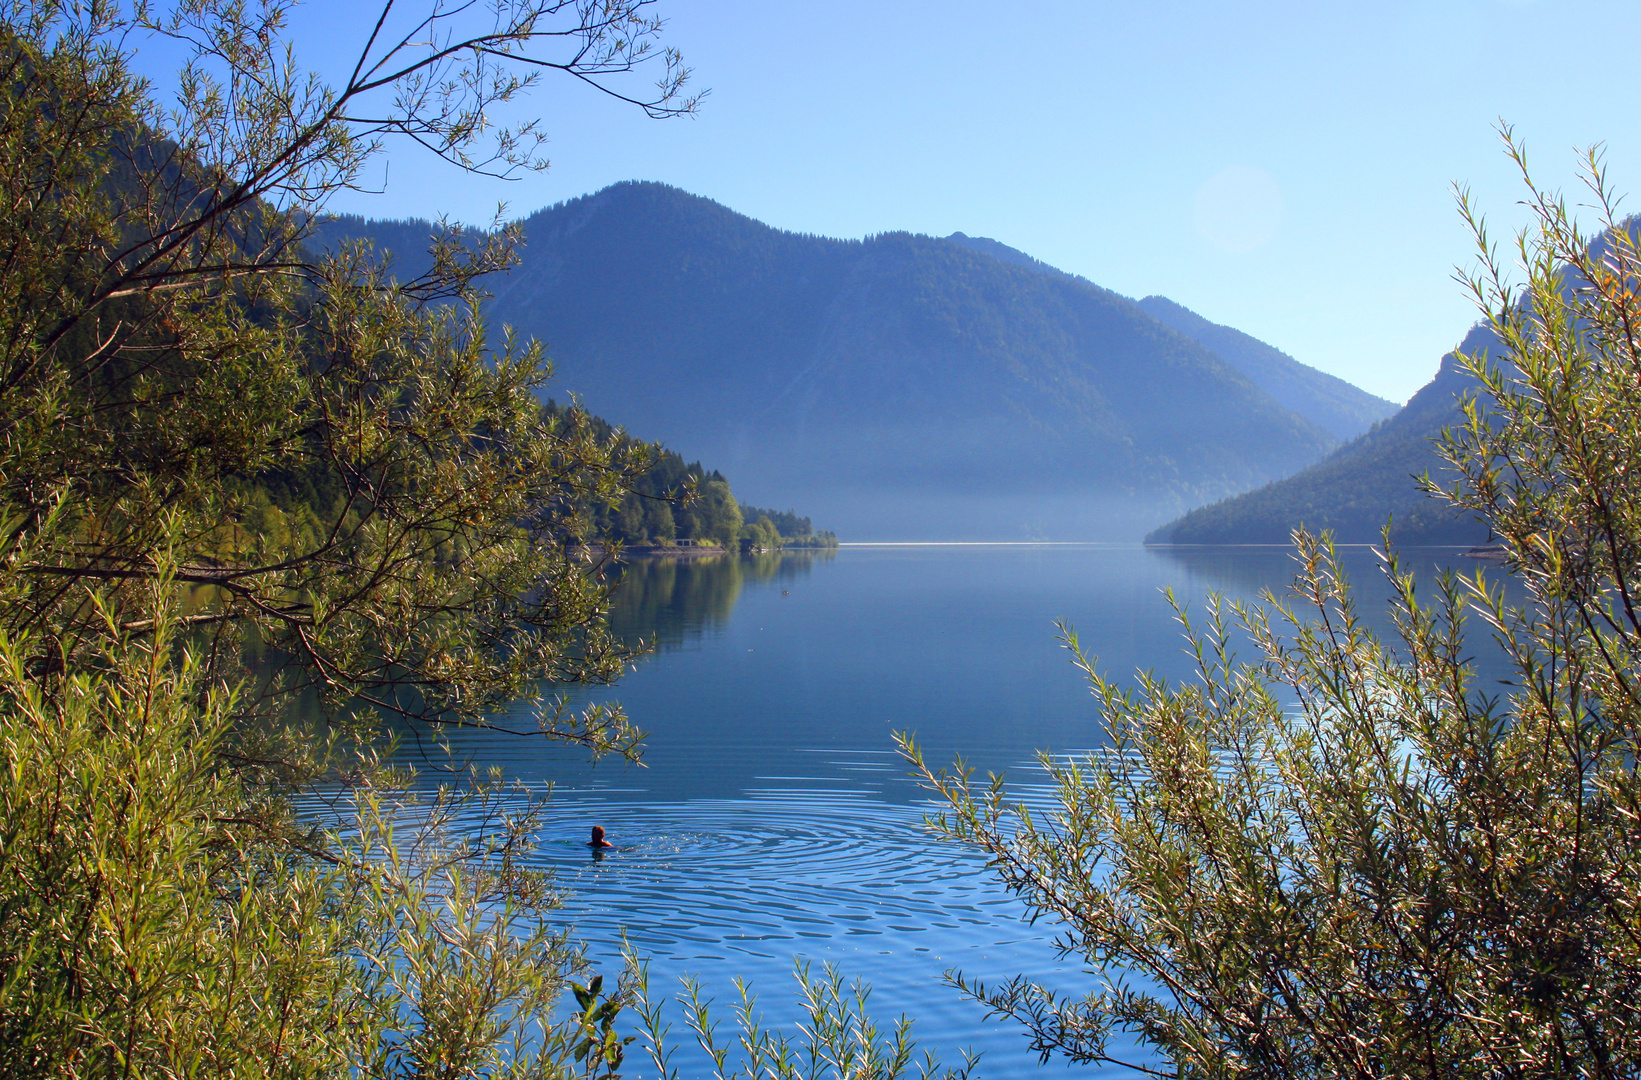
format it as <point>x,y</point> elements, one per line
<point>985,245</point>
<point>898,386</point>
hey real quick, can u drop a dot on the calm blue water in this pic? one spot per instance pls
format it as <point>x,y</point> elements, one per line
<point>772,819</point>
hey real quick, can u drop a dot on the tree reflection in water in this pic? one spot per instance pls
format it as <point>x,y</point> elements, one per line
<point>666,601</point>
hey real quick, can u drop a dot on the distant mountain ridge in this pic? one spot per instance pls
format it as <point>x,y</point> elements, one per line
<point>1370,480</point>
<point>1359,487</point>
<point>899,387</point>
<point>1343,409</point>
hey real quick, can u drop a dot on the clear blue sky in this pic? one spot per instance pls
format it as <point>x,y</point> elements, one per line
<point>1281,167</point>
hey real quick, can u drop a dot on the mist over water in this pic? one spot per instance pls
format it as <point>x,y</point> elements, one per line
<point>772,819</point>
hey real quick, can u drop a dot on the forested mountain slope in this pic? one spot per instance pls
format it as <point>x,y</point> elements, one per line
<point>1341,408</point>
<point>900,387</point>
<point>1328,401</point>
<point>1359,486</point>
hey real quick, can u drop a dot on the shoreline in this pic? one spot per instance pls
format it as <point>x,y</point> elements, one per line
<point>662,551</point>
<point>667,551</point>
<point>655,551</point>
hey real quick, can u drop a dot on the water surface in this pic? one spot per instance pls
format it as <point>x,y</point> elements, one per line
<point>773,821</point>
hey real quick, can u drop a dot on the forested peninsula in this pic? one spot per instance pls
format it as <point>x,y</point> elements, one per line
<point>671,504</point>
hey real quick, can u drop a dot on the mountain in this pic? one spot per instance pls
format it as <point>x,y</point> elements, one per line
<point>985,245</point>
<point>1345,410</point>
<point>898,387</point>
<point>1370,479</point>
<point>1358,487</point>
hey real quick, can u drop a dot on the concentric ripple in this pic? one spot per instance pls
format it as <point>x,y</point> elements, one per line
<point>746,888</point>
<point>763,876</point>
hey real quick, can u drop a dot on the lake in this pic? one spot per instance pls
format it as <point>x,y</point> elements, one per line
<point>772,819</point>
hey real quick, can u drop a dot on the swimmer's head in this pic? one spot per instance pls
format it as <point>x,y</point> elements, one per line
<point>598,834</point>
